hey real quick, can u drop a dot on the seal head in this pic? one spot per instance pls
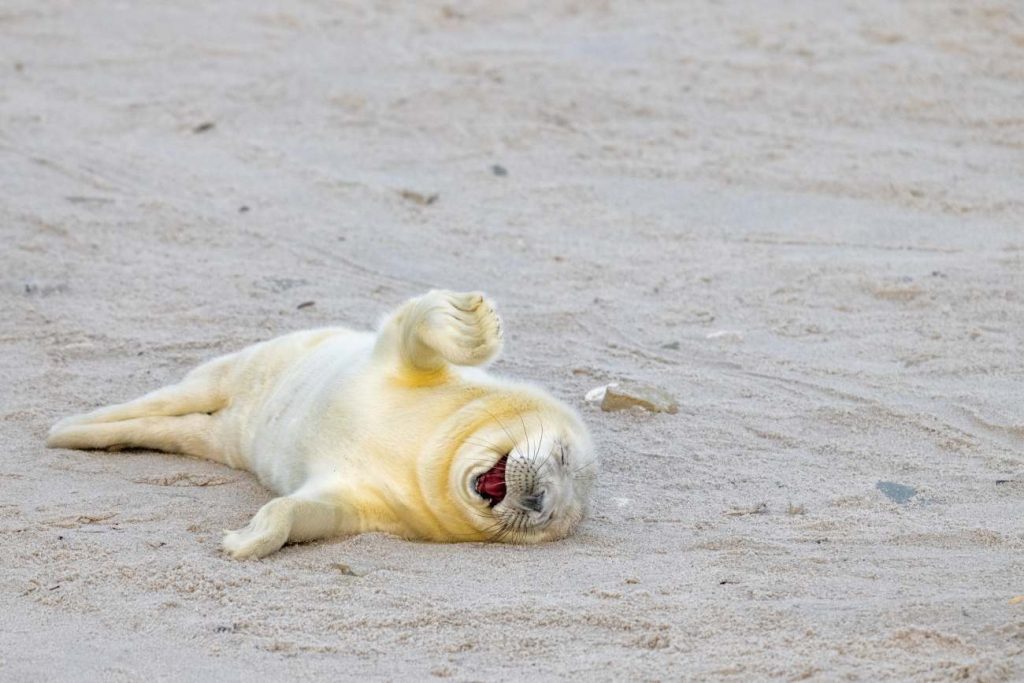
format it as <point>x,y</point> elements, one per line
<point>524,476</point>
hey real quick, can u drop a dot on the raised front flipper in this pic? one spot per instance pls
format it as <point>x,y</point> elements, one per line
<point>441,327</point>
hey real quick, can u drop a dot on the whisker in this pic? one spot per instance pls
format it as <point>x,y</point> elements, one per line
<point>504,429</point>
<point>526,433</point>
<point>540,443</point>
<point>490,447</point>
<point>583,467</point>
<point>482,461</point>
<point>491,444</point>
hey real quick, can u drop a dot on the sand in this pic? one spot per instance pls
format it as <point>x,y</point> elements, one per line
<point>804,220</point>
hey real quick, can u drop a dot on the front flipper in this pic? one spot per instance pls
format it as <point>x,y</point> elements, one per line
<point>441,327</point>
<point>289,519</point>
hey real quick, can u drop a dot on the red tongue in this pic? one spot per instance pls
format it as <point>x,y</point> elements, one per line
<point>491,483</point>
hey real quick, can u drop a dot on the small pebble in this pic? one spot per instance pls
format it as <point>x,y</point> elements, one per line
<point>625,395</point>
<point>350,570</point>
<point>898,493</point>
<point>725,336</point>
<point>421,198</point>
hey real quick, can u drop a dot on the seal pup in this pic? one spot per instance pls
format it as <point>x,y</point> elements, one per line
<point>394,431</point>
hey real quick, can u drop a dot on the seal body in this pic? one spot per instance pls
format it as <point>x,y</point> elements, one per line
<point>392,431</point>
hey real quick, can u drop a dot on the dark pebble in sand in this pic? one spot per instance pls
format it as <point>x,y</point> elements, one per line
<point>897,493</point>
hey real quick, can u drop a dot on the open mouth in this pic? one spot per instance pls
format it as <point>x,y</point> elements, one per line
<point>491,484</point>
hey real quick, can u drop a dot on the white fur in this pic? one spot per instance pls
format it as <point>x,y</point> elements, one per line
<point>358,431</point>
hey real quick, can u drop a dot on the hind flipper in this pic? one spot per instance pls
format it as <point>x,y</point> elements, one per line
<point>201,391</point>
<point>194,434</point>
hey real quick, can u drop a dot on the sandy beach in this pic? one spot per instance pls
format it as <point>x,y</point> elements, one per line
<point>804,220</point>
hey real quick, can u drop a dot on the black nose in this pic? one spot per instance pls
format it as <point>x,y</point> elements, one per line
<point>534,502</point>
